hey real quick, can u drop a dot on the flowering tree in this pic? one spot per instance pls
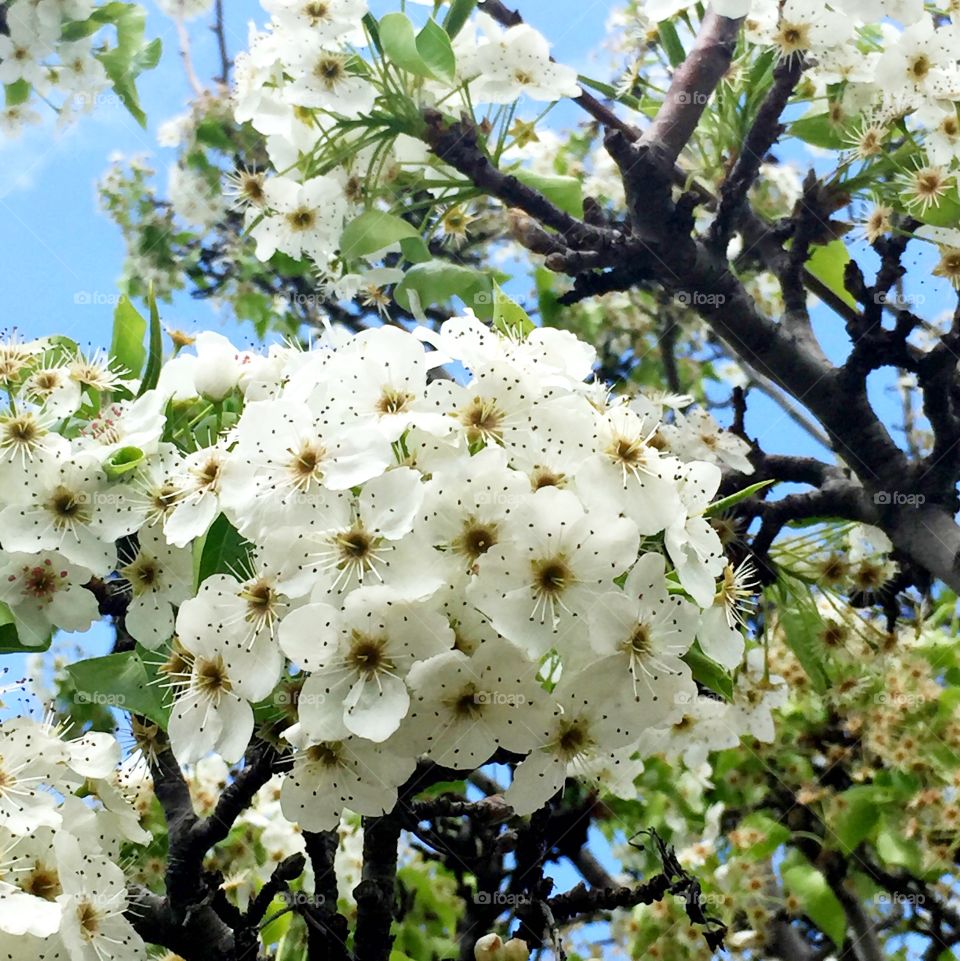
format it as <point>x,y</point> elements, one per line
<point>452,581</point>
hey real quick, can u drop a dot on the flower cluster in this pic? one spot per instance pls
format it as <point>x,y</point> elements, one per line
<point>307,74</point>
<point>887,72</point>
<point>49,51</point>
<point>424,566</point>
<point>62,892</point>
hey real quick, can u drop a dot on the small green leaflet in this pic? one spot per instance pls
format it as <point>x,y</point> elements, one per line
<point>708,673</point>
<point>827,264</point>
<point>433,45</point>
<point>131,55</point>
<point>10,642</point>
<point>151,374</point>
<point>563,192</point>
<point>17,93</point>
<point>436,282</point>
<point>802,623</point>
<point>508,316</point>
<point>372,231</point>
<point>427,54</point>
<point>122,461</point>
<point>820,131</point>
<point>725,503</point>
<point>457,16</point>
<point>670,41</point>
<point>221,551</point>
<point>819,903</point>
<point>129,330</point>
<point>122,681</point>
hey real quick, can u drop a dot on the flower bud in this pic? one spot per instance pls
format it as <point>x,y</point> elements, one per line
<point>217,369</point>
<point>488,948</point>
<point>514,950</point>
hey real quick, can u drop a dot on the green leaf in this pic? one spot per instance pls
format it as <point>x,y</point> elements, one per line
<point>221,551</point>
<point>373,28</point>
<point>648,105</point>
<point>151,374</point>
<point>129,329</point>
<point>896,850</point>
<point>108,13</point>
<point>121,681</point>
<point>415,250</point>
<point>211,133</point>
<point>276,929</point>
<point>802,624</point>
<point>827,264</point>
<point>819,903</point>
<point>436,51</point>
<point>858,814</point>
<point>17,93</point>
<point>820,131</point>
<point>457,16</point>
<point>372,231</point>
<point>708,673</point>
<point>10,642</point>
<point>122,461</point>
<point>130,57</point>
<point>437,282</point>
<point>508,316</point>
<point>563,192</point>
<point>670,41</point>
<point>946,213</point>
<point>400,44</point>
<point>725,503</point>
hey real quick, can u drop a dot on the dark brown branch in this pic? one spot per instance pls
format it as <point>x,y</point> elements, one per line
<point>201,937</point>
<point>376,893</point>
<point>691,88</point>
<point>218,28</point>
<point>764,133</point>
<point>326,928</point>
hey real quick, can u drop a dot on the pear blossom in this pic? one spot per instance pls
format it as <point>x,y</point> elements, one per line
<point>465,707</point>
<point>588,722</point>
<point>69,507</point>
<point>302,218</point>
<point>647,630</point>
<point>45,591</point>
<point>538,588</point>
<point>357,669</point>
<point>160,579</point>
<point>347,773</point>
<point>516,62</point>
